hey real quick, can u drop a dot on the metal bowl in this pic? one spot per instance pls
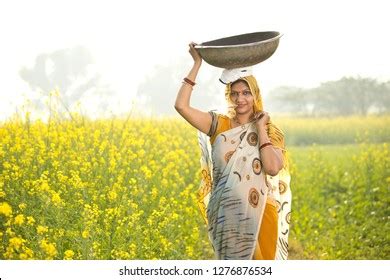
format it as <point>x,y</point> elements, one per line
<point>241,50</point>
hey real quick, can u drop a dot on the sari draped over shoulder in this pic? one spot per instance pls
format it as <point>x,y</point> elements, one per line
<point>234,190</point>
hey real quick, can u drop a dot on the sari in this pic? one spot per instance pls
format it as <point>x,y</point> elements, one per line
<point>234,191</point>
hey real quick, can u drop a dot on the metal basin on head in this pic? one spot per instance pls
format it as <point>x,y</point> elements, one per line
<point>241,50</point>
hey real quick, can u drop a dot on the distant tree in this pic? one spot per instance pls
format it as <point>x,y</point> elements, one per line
<point>289,99</point>
<point>347,96</point>
<point>69,71</point>
<point>333,98</point>
<point>383,100</point>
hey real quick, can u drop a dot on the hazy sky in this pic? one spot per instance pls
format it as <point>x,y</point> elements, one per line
<point>323,40</point>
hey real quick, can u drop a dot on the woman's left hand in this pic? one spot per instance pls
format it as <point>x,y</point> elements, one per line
<point>261,118</point>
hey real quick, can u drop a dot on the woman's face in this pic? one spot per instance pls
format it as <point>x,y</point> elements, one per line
<point>242,97</point>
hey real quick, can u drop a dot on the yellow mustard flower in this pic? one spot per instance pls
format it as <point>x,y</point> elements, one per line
<point>22,206</point>
<point>19,219</point>
<point>16,243</point>
<point>68,255</point>
<point>42,229</point>
<point>29,253</point>
<point>85,234</point>
<point>23,256</point>
<point>30,220</point>
<point>5,209</point>
<point>112,195</point>
<point>154,192</point>
<point>48,248</point>
<point>56,199</point>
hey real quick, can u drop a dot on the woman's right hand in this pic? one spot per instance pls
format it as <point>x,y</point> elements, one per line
<point>194,53</point>
<point>262,119</point>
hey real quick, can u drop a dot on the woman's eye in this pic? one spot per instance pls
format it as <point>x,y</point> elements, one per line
<point>247,93</point>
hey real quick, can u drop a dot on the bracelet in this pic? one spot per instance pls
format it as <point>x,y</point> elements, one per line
<point>265,145</point>
<point>185,83</point>
<point>188,81</point>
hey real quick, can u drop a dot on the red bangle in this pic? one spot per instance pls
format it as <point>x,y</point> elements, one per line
<point>265,145</point>
<point>188,81</point>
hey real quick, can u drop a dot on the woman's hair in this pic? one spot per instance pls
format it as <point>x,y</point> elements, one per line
<point>254,88</point>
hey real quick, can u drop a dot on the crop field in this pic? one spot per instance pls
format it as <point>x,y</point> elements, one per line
<point>126,189</point>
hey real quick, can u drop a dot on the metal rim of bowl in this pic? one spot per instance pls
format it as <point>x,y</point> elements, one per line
<point>240,45</point>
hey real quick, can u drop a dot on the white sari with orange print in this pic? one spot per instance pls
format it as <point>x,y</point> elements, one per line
<point>234,191</point>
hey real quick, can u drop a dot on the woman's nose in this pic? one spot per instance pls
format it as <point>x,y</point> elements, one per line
<point>240,97</point>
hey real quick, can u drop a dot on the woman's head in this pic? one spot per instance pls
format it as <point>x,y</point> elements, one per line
<point>243,95</point>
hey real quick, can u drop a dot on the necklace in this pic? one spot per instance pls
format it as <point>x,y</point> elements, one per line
<point>236,121</point>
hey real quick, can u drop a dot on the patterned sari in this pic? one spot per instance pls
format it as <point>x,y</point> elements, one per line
<point>234,191</point>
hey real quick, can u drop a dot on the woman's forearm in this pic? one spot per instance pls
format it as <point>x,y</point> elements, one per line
<point>184,94</point>
<point>271,157</point>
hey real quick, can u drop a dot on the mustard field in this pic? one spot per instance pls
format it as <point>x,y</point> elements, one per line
<point>126,189</point>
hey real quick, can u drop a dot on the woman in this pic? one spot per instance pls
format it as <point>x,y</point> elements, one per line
<point>245,199</point>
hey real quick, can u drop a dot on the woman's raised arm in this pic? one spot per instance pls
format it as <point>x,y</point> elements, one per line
<point>200,120</point>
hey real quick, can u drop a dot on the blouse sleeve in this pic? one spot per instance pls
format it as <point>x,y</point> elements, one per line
<point>214,124</point>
